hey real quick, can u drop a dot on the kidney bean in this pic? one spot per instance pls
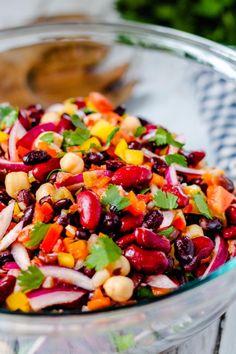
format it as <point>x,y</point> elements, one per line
<point>5,256</point>
<point>110,222</point>
<point>132,176</point>
<point>89,272</point>
<point>153,219</point>
<point>184,249</point>
<point>230,232</point>
<point>80,102</point>
<point>35,157</point>
<point>150,145</point>
<point>149,239</point>
<point>24,119</point>
<point>4,197</point>
<point>82,234</point>
<point>194,157</point>
<point>211,226</point>
<point>159,166</point>
<point>231,214</point>
<point>25,197</point>
<point>40,172</point>
<point>226,183</point>
<point>135,145</point>
<point>64,123</point>
<point>64,203</point>
<point>125,241</point>
<point>96,158</point>
<point>113,165</point>
<point>6,287</point>
<point>28,215</point>
<point>130,222</point>
<point>176,190</point>
<point>203,246</point>
<point>146,261</point>
<point>200,270</point>
<point>90,209</point>
<point>199,182</point>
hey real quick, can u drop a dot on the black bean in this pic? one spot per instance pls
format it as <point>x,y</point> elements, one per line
<point>110,222</point>
<point>120,110</point>
<point>82,233</point>
<point>89,272</point>
<point>5,256</point>
<point>211,227</point>
<point>35,157</point>
<point>152,220</point>
<point>25,198</point>
<point>192,218</point>
<point>95,158</point>
<point>28,215</point>
<point>4,197</point>
<point>64,219</point>
<point>150,145</point>
<point>46,199</point>
<point>143,121</point>
<point>184,249</point>
<point>113,165</point>
<point>135,145</point>
<point>75,220</point>
<point>52,178</point>
<point>64,203</point>
<point>159,166</point>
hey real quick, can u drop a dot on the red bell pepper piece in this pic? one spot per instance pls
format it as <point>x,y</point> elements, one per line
<point>51,237</point>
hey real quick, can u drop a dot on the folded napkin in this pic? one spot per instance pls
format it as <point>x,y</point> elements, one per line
<point>217,102</point>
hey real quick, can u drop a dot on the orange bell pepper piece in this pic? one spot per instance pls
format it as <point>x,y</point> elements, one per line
<point>98,301</point>
<point>158,180</point>
<point>136,206</point>
<point>218,198</point>
<point>100,102</point>
<point>78,249</point>
<point>42,213</point>
<point>51,237</point>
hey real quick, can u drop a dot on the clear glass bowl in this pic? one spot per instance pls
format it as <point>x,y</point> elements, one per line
<point>153,70</point>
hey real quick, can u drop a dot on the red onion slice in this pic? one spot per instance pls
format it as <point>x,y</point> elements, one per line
<point>10,266</point>
<point>11,236</point>
<point>220,255</point>
<point>5,218</point>
<point>171,175</point>
<point>17,132</point>
<point>189,171</point>
<point>67,275</point>
<point>28,138</point>
<point>168,217</point>
<point>20,255</point>
<point>13,166</point>
<point>161,281</point>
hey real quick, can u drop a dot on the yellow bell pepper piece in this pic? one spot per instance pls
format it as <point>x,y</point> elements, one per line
<point>191,190</point>
<point>88,144</point>
<point>120,149</point>
<point>66,260</point>
<point>69,108</point>
<point>18,301</point>
<point>3,137</point>
<point>102,129</point>
<point>133,157</point>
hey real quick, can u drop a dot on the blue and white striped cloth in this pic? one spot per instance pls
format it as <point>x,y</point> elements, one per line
<point>217,102</point>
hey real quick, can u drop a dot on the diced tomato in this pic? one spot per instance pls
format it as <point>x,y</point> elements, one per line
<point>100,102</point>
<point>179,223</point>
<point>51,237</point>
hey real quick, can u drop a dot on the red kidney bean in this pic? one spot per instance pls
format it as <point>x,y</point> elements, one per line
<point>125,241</point>
<point>200,270</point>
<point>226,183</point>
<point>153,219</point>
<point>203,246</point>
<point>148,262</point>
<point>35,157</point>
<point>184,249</point>
<point>159,166</point>
<point>24,119</point>
<point>28,215</point>
<point>137,279</point>
<point>130,222</point>
<point>65,123</point>
<point>149,239</point>
<point>194,157</point>
<point>231,214</point>
<point>90,209</point>
<point>176,190</point>
<point>230,232</point>
<point>132,176</point>
<point>6,287</point>
<point>25,197</point>
<point>40,172</point>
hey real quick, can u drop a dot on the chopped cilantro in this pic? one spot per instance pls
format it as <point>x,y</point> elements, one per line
<point>103,253</point>
<point>167,232</point>
<point>37,234</point>
<point>202,206</point>
<point>88,110</point>
<point>163,137</point>
<point>77,121</point>
<point>123,342</point>
<point>30,279</point>
<point>8,116</point>
<point>113,197</point>
<point>164,200</point>
<point>48,138</point>
<point>139,131</point>
<point>176,158</point>
<point>145,292</point>
<point>111,135</point>
<point>144,191</point>
<point>76,137</point>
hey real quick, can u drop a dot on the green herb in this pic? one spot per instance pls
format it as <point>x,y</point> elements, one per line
<point>77,121</point>
<point>202,205</point>
<point>145,292</point>
<point>176,158</point>
<point>48,138</point>
<point>144,191</point>
<point>8,116</point>
<point>111,135</point>
<point>37,234</point>
<point>163,137</point>
<point>124,342</point>
<point>30,279</point>
<point>139,131</point>
<point>165,200</point>
<point>76,137</point>
<point>88,110</point>
<point>61,154</point>
<point>103,253</point>
<point>113,197</point>
<point>167,232</point>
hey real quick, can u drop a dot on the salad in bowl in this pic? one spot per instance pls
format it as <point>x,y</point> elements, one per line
<point>100,209</point>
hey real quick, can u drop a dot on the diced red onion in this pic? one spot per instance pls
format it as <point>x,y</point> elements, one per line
<point>161,281</point>
<point>32,134</point>
<point>17,132</point>
<point>149,135</point>
<point>10,266</point>
<point>171,175</point>
<point>5,218</point>
<point>50,297</point>
<point>20,255</point>
<point>11,236</point>
<point>148,153</point>
<point>72,180</point>
<point>69,276</point>
<point>189,171</point>
<point>220,255</point>
<point>13,166</point>
<point>168,217</point>
<point>172,149</point>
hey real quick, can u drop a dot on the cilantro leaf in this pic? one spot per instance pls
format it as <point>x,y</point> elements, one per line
<point>139,131</point>
<point>113,197</point>
<point>165,200</point>
<point>176,158</point>
<point>37,234</point>
<point>30,279</point>
<point>103,253</point>
<point>202,205</point>
<point>123,342</point>
<point>76,137</point>
<point>144,191</point>
<point>48,138</point>
<point>8,116</point>
<point>111,135</point>
<point>163,137</point>
<point>77,121</point>
<point>167,232</point>
<point>145,292</point>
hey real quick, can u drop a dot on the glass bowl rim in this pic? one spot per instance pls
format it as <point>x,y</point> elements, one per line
<point>227,54</point>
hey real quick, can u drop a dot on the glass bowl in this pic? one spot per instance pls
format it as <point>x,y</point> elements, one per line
<point>153,70</point>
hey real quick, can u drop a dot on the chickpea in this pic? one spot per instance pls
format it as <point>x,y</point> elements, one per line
<point>130,123</point>
<point>100,277</point>
<point>15,182</point>
<point>122,264</point>
<point>119,288</point>
<point>72,163</point>
<point>50,117</point>
<point>46,189</point>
